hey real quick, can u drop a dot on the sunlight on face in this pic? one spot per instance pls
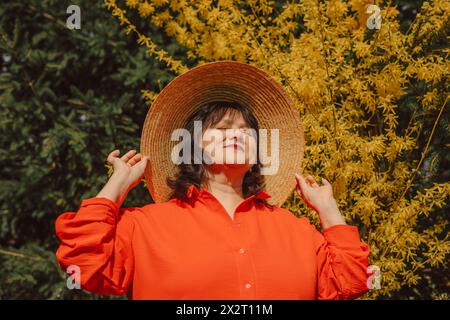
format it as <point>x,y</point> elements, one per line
<point>231,142</point>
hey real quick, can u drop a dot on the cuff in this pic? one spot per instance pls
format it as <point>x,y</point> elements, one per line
<point>100,201</point>
<point>342,234</point>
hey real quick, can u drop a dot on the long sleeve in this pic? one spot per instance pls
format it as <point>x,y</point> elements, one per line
<point>97,239</point>
<point>342,261</point>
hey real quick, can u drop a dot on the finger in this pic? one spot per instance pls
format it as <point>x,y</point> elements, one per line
<point>135,159</point>
<point>302,183</point>
<point>126,157</point>
<point>112,156</point>
<point>312,181</point>
<point>299,191</point>
<point>327,183</point>
<point>144,161</point>
<point>309,178</point>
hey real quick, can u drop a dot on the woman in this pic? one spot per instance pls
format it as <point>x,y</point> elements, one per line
<point>217,237</point>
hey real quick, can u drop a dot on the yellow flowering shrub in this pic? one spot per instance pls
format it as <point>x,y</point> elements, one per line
<point>351,85</point>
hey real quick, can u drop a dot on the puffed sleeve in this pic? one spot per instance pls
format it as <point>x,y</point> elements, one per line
<point>97,239</point>
<point>342,261</point>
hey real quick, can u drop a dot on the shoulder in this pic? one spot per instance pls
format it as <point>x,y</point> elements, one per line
<point>301,222</point>
<point>151,210</point>
<point>286,214</point>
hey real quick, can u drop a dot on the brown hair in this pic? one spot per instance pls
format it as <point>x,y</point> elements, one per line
<point>195,174</point>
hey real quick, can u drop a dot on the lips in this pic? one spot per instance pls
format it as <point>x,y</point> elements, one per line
<point>235,146</point>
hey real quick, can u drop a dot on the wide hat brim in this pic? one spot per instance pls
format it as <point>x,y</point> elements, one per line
<point>227,81</point>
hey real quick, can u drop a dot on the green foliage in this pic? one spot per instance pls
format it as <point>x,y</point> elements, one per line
<point>67,99</point>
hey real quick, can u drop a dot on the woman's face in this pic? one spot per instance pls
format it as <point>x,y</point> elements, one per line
<point>231,142</point>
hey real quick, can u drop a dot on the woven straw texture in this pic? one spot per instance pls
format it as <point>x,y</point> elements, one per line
<point>227,81</point>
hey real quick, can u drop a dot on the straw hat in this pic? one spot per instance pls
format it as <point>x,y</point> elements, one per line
<point>226,81</point>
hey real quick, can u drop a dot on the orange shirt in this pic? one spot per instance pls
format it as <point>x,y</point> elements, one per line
<point>179,250</point>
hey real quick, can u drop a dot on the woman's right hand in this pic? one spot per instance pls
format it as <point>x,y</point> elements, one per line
<point>128,172</point>
<point>130,167</point>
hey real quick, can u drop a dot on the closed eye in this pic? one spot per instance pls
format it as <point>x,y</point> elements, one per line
<point>245,130</point>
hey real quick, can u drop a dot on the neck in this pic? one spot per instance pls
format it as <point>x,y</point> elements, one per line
<point>225,181</point>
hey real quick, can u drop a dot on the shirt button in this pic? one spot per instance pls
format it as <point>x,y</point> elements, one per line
<point>238,224</point>
<point>242,250</point>
<point>248,285</point>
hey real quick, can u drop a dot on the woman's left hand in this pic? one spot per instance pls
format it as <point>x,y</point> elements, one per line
<point>320,199</point>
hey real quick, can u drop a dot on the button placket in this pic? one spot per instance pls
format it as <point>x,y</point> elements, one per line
<point>238,240</point>
<point>244,262</point>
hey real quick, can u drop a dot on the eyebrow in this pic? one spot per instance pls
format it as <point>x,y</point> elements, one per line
<point>229,121</point>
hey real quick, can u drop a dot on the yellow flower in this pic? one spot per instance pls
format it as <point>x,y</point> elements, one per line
<point>145,9</point>
<point>159,3</point>
<point>132,3</point>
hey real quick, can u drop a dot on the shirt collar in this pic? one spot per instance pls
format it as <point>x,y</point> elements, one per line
<point>193,192</point>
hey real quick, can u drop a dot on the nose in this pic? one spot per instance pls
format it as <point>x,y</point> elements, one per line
<point>234,134</point>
